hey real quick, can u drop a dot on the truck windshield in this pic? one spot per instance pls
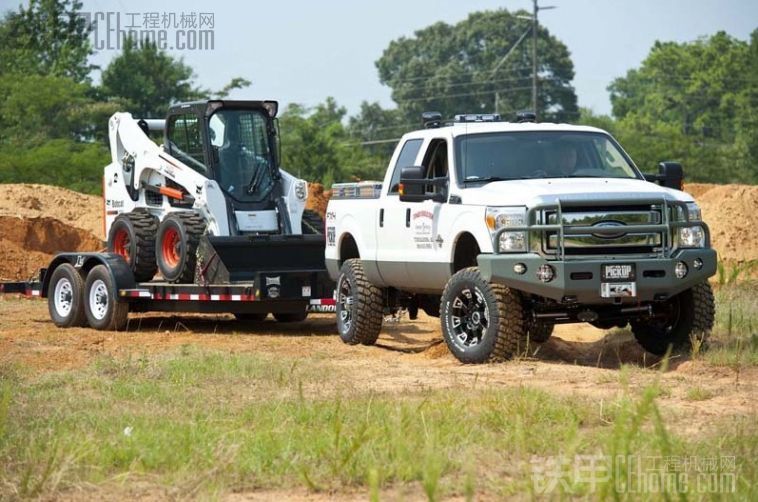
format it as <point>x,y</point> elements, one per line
<point>239,139</point>
<point>552,154</point>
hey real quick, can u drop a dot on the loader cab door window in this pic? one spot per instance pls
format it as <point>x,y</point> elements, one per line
<point>185,142</point>
<point>239,139</point>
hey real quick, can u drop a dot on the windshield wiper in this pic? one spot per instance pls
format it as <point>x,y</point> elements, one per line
<point>487,179</point>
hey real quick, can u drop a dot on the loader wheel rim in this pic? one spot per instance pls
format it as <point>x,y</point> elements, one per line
<point>63,297</point>
<point>470,317</point>
<point>98,299</point>
<point>171,247</point>
<point>346,300</point>
<point>121,243</point>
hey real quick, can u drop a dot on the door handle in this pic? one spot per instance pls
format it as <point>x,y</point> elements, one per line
<point>408,218</point>
<point>381,217</point>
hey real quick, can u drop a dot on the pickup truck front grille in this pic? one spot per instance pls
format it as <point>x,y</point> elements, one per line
<point>576,228</point>
<point>592,242</point>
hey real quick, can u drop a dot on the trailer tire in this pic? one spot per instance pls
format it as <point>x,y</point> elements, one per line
<point>690,319</point>
<point>102,307</point>
<point>481,322</point>
<point>360,307</point>
<point>132,235</point>
<point>291,316</point>
<point>177,241</point>
<point>65,297</point>
<point>246,317</point>
<point>312,223</point>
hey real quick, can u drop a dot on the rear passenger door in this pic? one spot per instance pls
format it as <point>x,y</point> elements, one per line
<point>393,227</point>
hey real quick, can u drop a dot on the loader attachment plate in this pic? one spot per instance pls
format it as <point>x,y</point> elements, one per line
<point>243,258</point>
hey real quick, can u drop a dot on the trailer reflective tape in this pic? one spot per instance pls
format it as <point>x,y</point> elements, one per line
<point>323,301</point>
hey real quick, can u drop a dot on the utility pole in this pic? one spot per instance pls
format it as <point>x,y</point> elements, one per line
<point>535,25</point>
<point>500,63</point>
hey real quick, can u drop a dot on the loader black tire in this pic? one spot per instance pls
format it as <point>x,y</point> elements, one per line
<point>684,320</point>
<point>102,307</point>
<point>176,244</point>
<point>65,296</point>
<point>312,223</point>
<point>482,322</point>
<point>360,305</point>
<point>132,235</point>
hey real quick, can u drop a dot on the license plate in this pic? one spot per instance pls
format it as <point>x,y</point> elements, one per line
<point>618,289</point>
<point>618,272</point>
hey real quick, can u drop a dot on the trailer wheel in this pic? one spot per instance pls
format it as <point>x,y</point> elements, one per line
<point>101,305</point>
<point>132,236</point>
<point>290,316</point>
<point>686,318</point>
<point>360,307</point>
<point>64,297</point>
<point>250,317</point>
<point>312,223</point>
<point>481,322</point>
<point>177,241</point>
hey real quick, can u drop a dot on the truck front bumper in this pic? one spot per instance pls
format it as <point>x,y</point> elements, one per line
<point>580,280</point>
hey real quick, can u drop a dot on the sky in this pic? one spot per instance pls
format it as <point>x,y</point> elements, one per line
<point>304,50</point>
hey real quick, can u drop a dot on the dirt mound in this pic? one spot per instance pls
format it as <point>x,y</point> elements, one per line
<point>318,198</point>
<point>729,211</point>
<point>27,244</point>
<point>74,209</point>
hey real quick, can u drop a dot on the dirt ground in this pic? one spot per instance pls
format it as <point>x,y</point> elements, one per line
<point>410,355</point>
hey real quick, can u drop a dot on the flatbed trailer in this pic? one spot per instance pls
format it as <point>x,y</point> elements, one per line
<point>99,290</point>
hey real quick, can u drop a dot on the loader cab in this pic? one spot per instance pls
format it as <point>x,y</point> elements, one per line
<point>232,142</point>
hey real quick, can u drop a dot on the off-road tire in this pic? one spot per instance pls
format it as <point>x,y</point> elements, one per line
<point>247,317</point>
<point>504,335</point>
<point>67,287</point>
<point>540,332</point>
<point>138,228</point>
<point>312,223</point>
<point>177,262</point>
<point>692,322</point>
<point>291,316</point>
<point>362,321</point>
<point>109,314</point>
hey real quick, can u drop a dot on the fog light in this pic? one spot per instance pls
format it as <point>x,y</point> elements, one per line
<point>519,268</point>
<point>698,263</point>
<point>545,273</point>
<point>680,270</point>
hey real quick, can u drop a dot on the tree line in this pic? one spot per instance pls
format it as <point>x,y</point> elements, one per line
<point>694,102</point>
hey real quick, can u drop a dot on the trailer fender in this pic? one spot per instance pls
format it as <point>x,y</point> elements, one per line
<point>122,275</point>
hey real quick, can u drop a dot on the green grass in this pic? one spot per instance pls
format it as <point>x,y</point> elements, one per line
<point>206,423</point>
<point>734,341</point>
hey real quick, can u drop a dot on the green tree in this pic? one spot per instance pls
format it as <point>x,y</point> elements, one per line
<point>50,37</point>
<point>376,129</point>
<point>693,102</point>
<point>454,69</point>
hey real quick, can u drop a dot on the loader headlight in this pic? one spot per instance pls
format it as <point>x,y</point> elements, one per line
<point>301,190</point>
<point>504,217</point>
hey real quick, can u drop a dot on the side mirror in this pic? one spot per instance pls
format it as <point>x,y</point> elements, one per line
<point>670,175</point>
<point>413,185</point>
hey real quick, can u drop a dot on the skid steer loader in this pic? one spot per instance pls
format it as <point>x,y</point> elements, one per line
<point>211,200</point>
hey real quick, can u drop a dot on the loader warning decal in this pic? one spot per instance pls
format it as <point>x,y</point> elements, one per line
<point>422,229</point>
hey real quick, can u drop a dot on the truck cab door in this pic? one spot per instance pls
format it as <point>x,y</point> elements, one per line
<point>393,224</point>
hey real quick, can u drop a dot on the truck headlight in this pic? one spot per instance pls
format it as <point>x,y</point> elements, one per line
<point>301,191</point>
<point>504,217</point>
<point>691,237</point>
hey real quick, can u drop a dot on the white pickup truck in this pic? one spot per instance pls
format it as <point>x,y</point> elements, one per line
<point>505,229</point>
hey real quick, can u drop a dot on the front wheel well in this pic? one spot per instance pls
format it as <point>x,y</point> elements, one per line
<point>466,251</point>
